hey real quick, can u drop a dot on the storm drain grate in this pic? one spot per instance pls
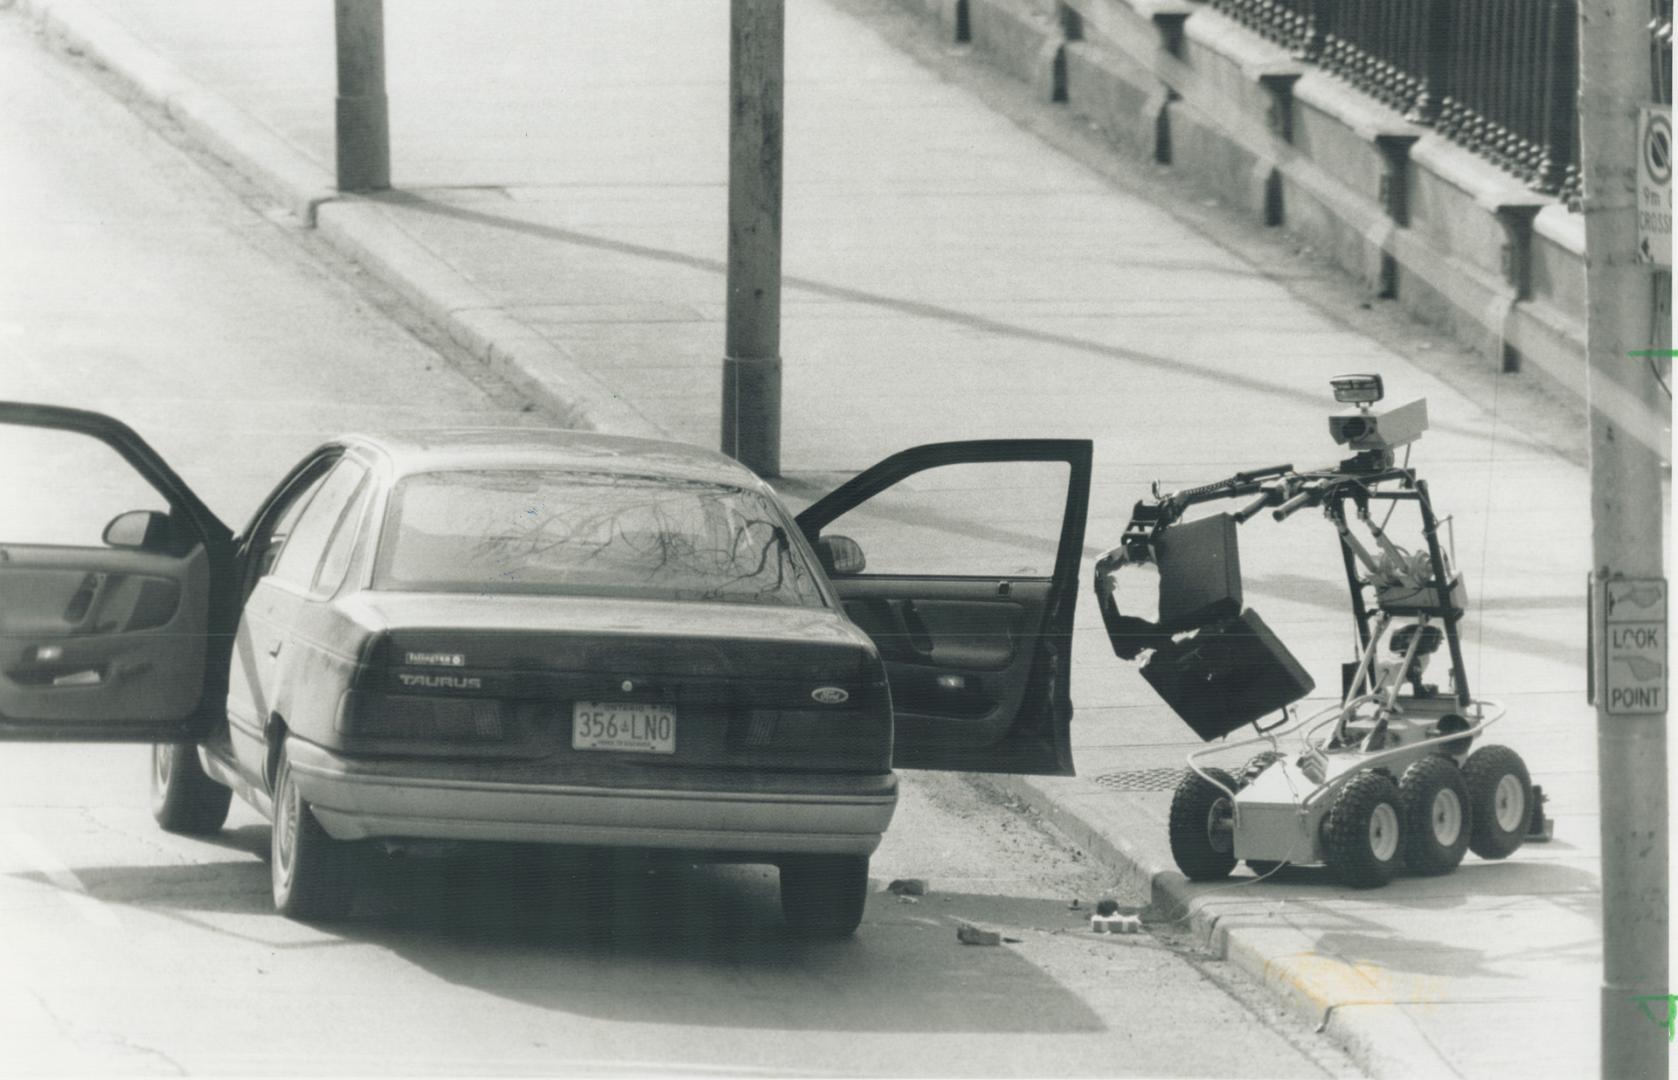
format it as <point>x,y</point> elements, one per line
<point>1141,780</point>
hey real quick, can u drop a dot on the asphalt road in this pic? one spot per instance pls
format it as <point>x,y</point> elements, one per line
<point>143,280</point>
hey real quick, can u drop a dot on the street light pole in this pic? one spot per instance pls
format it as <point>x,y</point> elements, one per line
<point>1626,407</point>
<point>751,373</point>
<point>363,123</point>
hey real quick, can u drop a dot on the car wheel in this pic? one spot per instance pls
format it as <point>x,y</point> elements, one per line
<point>1436,814</point>
<point>822,896</point>
<point>183,797</point>
<point>1500,798</point>
<point>1202,841</point>
<point>310,870</point>
<point>1363,833</point>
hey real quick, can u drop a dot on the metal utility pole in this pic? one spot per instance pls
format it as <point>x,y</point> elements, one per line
<point>1628,408</point>
<point>751,372</point>
<point>363,128</point>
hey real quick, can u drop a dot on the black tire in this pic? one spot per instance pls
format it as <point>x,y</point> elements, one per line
<point>823,896</point>
<point>1203,850</point>
<point>183,797</point>
<point>310,871</point>
<point>1435,815</point>
<point>1500,800</point>
<point>1363,833</point>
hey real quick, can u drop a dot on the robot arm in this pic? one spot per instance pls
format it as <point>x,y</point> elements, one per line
<point>1140,545</point>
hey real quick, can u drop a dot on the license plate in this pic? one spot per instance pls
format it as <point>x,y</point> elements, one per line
<point>623,725</point>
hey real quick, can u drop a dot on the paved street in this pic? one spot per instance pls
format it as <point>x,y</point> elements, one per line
<point>145,280</point>
<point>962,260</point>
<point>128,950</point>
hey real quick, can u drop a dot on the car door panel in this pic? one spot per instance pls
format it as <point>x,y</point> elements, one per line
<point>113,642</point>
<point>88,598</point>
<point>977,663</point>
<point>101,635</point>
<point>960,625</point>
<point>966,656</point>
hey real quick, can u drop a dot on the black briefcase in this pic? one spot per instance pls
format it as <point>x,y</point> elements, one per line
<point>1227,675</point>
<point>1199,573</point>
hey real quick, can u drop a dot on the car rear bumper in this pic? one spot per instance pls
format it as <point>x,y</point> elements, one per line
<point>780,814</point>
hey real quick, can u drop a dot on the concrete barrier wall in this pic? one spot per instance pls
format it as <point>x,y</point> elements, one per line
<point>1456,241</point>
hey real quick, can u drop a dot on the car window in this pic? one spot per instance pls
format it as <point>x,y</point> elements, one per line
<point>336,562</point>
<point>591,533</point>
<point>64,487</point>
<point>274,538</point>
<point>305,540</point>
<point>989,519</point>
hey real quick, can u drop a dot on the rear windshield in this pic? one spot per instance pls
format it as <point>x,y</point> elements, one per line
<point>590,534</point>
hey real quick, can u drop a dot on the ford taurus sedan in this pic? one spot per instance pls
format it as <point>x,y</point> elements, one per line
<point>556,637</point>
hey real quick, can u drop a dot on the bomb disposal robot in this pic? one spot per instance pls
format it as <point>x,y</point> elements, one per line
<point>1388,778</point>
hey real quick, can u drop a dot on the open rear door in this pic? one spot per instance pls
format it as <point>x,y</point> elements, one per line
<point>966,579</point>
<point>112,578</point>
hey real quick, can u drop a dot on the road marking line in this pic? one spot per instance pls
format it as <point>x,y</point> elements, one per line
<point>43,861</point>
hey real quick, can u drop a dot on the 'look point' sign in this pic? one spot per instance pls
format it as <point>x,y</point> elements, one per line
<point>1632,625</point>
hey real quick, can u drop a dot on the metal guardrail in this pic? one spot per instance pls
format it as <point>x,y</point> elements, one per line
<point>1499,77</point>
<point>1282,21</point>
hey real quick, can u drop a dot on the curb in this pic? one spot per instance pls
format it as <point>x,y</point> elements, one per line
<point>357,227</point>
<point>1333,996</point>
<point>360,228</point>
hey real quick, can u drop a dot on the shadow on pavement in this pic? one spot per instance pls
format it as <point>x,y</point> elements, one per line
<point>614,935</point>
<point>1389,927</point>
<point>608,935</point>
<point>233,887</point>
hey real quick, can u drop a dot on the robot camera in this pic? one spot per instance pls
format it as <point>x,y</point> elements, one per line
<point>1365,429</point>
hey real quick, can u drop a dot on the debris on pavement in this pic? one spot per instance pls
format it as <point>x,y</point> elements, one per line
<point>907,887</point>
<point>968,934</point>
<point>1116,924</point>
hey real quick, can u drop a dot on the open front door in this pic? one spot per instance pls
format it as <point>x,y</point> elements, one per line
<point>961,561</point>
<point>111,585</point>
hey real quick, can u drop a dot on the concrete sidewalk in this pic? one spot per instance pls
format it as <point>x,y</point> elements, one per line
<point>560,175</point>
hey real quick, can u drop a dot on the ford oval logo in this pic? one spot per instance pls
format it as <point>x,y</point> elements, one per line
<point>829,695</point>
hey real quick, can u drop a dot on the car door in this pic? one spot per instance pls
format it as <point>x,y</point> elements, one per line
<point>283,547</point>
<point>961,561</point>
<point>113,585</point>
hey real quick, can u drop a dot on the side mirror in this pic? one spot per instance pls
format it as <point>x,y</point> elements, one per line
<point>840,555</point>
<point>139,530</point>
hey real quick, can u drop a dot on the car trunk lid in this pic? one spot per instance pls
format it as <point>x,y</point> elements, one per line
<point>654,682</point>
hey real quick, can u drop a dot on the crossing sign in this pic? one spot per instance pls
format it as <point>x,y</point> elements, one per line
<point>1632,655</point>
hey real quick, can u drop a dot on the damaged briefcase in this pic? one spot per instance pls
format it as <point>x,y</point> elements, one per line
<point>1227,674</point>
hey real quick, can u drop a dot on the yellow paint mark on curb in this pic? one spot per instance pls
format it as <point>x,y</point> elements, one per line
<point>1329,982</point>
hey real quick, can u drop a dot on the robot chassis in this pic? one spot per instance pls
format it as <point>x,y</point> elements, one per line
<point>1386,779</point>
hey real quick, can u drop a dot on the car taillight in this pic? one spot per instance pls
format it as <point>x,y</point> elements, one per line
<point>426,719</point>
